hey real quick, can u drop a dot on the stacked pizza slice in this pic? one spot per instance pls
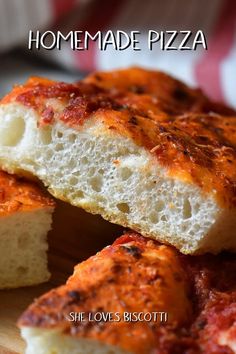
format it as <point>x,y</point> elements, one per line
<point>144,151</point>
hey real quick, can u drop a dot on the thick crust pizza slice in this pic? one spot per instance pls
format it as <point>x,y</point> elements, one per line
<point>138,296</point>
<point>136,146</point>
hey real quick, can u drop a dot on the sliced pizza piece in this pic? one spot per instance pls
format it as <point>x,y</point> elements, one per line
<point>136,146</point>
<point>137,296</point>
<point>25,219</point>
<point>132,276</point>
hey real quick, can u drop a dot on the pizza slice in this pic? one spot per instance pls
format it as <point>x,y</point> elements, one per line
<point>138,296</point>
<point>135,146</point>
<point>25,219</point>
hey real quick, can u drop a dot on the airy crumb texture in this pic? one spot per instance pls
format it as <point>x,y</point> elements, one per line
<point>136,146</point>
<point>25,219</point>
<point>138,276</point>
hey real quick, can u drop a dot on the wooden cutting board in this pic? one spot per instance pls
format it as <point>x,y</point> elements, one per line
<point>76,235</point>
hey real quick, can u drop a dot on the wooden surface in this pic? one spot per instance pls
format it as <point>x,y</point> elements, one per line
<point>75,236</point>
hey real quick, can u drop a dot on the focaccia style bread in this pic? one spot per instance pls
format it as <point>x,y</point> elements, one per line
<point>25,219</point>
<point>134,277</point>
<point>136,146</point>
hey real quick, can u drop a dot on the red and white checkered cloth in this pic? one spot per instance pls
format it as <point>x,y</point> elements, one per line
<point>214,69</point>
